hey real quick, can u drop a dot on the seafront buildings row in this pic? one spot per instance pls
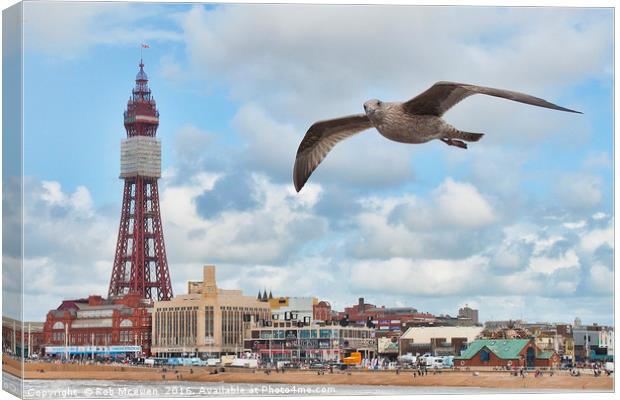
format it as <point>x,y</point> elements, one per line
<point>209,322</point>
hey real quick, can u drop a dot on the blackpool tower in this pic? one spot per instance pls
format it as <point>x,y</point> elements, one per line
<point>140,264</point>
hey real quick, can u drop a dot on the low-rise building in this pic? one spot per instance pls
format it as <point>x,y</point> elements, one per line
<point>303,344</point>
<point>593,342</point>
<point>506,353</point>
<point>97,326</point>
<point>208,321</point>
<point>286,311</point>
<point>438,340</point>
<point>388,321</point>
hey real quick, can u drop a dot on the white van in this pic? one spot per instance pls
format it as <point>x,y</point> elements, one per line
<point>212,362</point>
<point>437,362</point>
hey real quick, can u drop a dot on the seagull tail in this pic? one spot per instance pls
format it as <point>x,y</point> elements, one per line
<point>468,136</point>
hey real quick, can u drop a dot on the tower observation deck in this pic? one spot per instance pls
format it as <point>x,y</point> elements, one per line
<point>140,263</point>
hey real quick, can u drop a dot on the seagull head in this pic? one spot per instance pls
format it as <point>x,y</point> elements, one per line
<point>372,107</point>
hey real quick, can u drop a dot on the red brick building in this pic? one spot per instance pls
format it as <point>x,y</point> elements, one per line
<point>322,311</point>
<point>388,321</point>
<point>506,353</point>
<point>96,321</point>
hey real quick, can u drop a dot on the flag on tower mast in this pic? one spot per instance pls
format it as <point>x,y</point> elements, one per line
<point>143,46</point>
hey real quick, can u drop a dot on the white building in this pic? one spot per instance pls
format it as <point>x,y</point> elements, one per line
<point>438,339</point>
<point>289,310</point>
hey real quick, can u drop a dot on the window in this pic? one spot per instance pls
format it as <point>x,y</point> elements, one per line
<point>485,356</point>
<point>209,321</point>
<point>125,337</point>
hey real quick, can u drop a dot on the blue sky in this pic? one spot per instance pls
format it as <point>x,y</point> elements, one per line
<point>520,225</point>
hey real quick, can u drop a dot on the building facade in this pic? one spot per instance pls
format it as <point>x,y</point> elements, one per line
<point>325,342</point>
<point>506,353</point>
<point>99,322</point>
<point>438,340</point>
<point>208,321</point>
<point>292,309</point>
<point>469,313</point>
<point>593,342</point>
<point>388,321</point>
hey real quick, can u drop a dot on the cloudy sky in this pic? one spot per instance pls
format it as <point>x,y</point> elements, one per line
<point>519,226</point>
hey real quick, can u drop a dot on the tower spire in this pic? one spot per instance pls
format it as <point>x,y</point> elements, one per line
<point>140,262</point>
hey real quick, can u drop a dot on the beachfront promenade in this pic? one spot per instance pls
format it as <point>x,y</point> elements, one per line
<point>495,379</point>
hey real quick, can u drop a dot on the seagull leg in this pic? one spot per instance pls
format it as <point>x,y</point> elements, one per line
<point>454,142</point>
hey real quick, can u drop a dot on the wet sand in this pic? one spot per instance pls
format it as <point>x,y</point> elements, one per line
<point>499,380</point>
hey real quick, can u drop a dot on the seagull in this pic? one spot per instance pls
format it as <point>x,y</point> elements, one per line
<point>415,121</point>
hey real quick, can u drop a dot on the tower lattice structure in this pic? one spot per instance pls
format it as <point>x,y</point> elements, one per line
<point>140,263</point>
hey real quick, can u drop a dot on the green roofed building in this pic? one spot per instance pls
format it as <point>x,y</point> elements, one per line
<point>511,353</point>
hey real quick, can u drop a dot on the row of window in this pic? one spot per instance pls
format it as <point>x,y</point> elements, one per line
<point>312,333</point>
<point>58,325</point>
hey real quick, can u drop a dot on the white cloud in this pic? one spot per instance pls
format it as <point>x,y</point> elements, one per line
<point>596,238</point>
<point>451,204</point>
<point>602,278</point>
<point>597,160</point>
<point>512,254</point>
<point>424,277</point>
<point>575,225</point>
<point>259,235</point>
<point>579,191</point>
<point>462,204</point>
<point>599,215</point>
<point>64,30</point>
<point>548,265</point>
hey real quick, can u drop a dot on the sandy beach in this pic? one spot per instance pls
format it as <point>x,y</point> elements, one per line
<point>500,380</point>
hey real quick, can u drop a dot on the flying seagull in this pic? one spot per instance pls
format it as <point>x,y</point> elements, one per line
<point>415,121</point>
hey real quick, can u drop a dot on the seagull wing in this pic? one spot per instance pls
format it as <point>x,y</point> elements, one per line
<point>442,96</point>
<point>320,139</point>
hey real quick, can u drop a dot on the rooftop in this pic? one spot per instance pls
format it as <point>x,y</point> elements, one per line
<point>507,349</point>
<point>424,334</point>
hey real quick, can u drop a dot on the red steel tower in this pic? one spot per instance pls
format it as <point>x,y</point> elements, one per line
<point>140,263</point>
